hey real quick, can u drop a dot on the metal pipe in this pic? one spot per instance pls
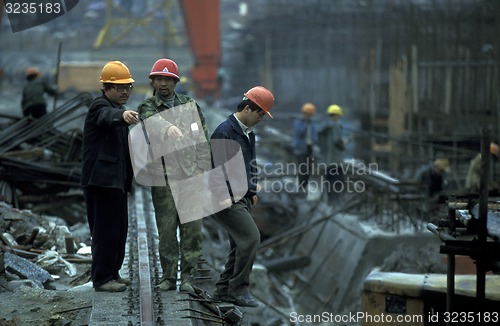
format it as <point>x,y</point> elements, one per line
<point>483,219</point>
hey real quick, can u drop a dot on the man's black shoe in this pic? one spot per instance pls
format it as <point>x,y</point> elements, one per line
<point>243,300</point>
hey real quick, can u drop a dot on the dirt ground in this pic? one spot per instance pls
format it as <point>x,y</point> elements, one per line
<point>33,306</point>
<point>65,301</point>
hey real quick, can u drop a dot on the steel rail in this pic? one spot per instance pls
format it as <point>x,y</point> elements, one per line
<point>145,290</point>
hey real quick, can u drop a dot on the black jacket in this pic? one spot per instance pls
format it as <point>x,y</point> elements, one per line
<point>106,158</point>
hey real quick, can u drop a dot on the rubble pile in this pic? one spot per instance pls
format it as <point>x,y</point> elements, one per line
<point>36,250</point>
<point>42,217</point>
<point>40,161</point>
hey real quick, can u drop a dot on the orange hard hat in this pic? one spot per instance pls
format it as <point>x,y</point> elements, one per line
<point>262,97</point>
<point>32,71</point>
<point>115,72</point>
<point>165,67</point>
<point>308,108</point>
<point>494,150</point>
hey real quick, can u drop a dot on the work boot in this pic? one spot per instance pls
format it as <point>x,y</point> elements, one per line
<point>220,294</point>
<point>111,286</point>
<point>243,300</point>
<point>124,281</point>
<point>186,286</point>
<point>167,285</point>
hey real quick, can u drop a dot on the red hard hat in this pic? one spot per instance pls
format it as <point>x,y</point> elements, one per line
<point>262,97</point>
<point>165,67</point>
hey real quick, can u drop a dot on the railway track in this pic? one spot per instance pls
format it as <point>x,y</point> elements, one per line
<point>142,304</point>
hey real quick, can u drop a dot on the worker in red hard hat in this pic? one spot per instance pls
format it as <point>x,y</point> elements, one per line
<point>236,133</point>
<point>33,102</point>
<point>177,123</point>
<point>472,181</point>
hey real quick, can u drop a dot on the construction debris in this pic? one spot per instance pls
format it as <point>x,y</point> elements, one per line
<point>34,248</point>
<point>40,161</point>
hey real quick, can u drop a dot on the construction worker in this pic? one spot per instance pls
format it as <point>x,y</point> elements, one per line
<point>182,86</point>
<point>305,144</point>
<point>107,175</point>
<point>432,176</point>
<point>472,181</point>
<point>171,116</point>
<point>332,148</point>
<point>33,102</point>
<point>244,236</point>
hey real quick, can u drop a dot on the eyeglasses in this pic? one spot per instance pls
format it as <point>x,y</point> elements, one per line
<point>121,88</point>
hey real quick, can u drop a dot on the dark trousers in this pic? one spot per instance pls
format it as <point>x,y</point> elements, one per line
<point>36,110</point>
<point>305,163</point>
<point>107,214</point>
<point>244,240</point>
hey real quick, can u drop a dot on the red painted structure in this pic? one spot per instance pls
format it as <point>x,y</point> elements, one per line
<point>201,18</point>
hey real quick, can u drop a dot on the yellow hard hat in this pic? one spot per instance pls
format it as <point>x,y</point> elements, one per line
<point>442,164</point>
<point>115,72</point>
<point>334,109</point>
<point>308,108</point>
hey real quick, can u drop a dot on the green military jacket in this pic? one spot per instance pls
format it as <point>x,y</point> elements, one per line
<point>181,158</point>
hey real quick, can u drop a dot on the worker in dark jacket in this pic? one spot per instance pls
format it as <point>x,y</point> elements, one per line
<point>107,175</point>
<point>305,144</point>
<point>176,127</point>
<point>244,236</point>
<point>431,176</point>
<point>33,101</point>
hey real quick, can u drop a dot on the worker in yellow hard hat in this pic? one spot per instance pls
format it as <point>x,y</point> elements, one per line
<point>332,148</point>
<point>305,144</point>
<point>107,175</point>
<point>472,180</point>
<point>182,86</point>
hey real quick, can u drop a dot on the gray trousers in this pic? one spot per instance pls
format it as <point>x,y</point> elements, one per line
<point>244,240</point>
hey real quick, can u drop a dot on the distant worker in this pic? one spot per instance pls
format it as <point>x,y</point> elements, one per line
<point>305,144</point>
<point>244,235</point>
<point>172,115</point>
<point>332,148</point>
<point>182,86</point>
<point>33,102</point>
<point>107,175</point>
<point>432,177</point>
<point>473,178</point>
